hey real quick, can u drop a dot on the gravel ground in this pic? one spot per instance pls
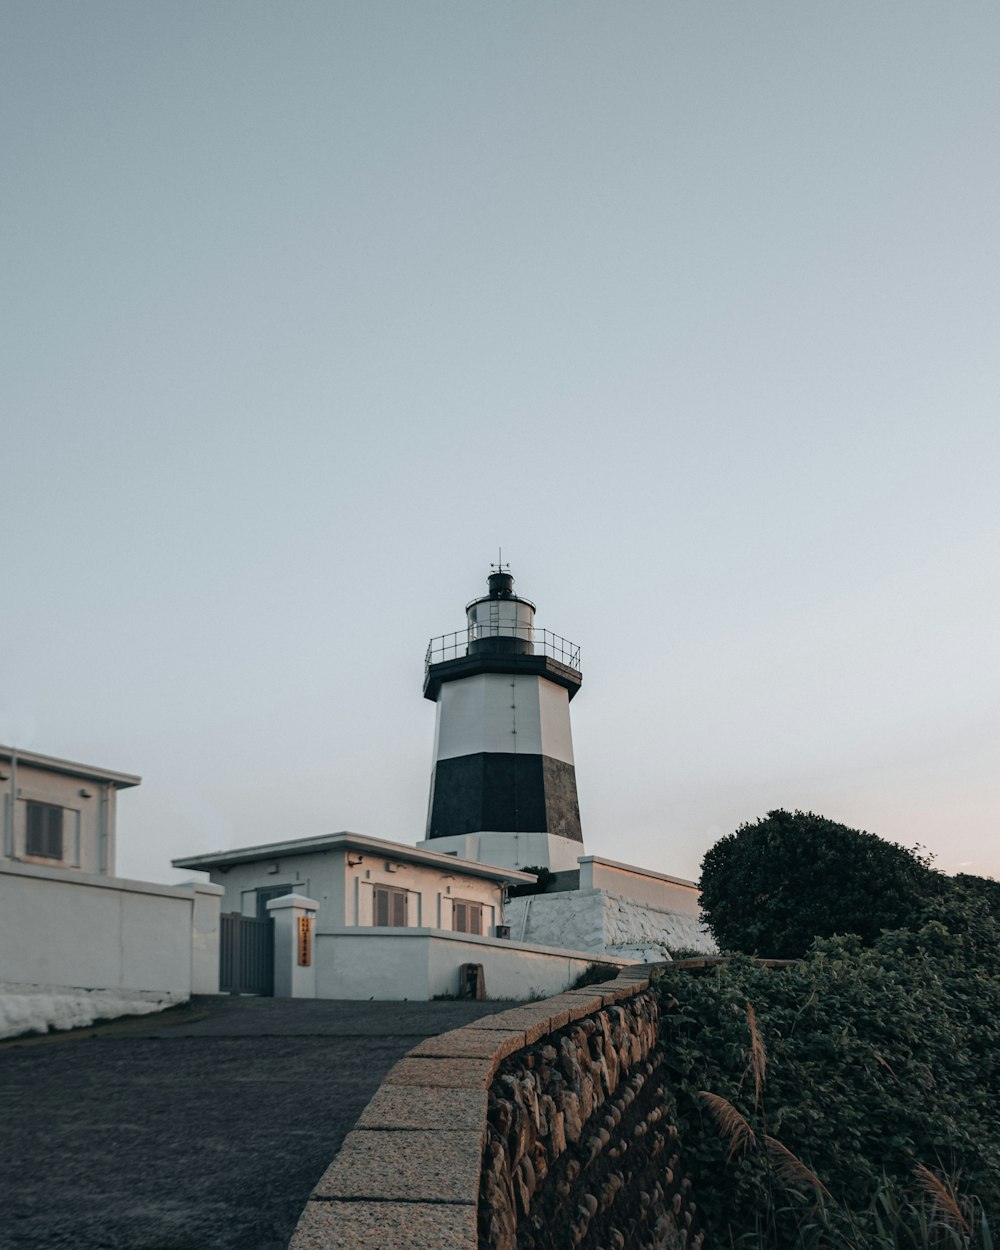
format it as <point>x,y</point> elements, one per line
<point>201,1134</point>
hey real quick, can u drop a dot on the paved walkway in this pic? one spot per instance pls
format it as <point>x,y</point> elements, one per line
<point>204,1133</point>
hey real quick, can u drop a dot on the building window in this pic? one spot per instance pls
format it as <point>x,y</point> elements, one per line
<point>468,917</point>
<point>264,896</point>
<point>45,830</point>
<point>390,907</point>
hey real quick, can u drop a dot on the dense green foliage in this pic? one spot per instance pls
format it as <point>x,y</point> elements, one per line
<point>773,886</point>
<point>543,879</point>
<point>595,974</point>
<point>879,1059</point>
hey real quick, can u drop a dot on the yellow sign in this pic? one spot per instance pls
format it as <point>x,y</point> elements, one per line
<point>305,941</point>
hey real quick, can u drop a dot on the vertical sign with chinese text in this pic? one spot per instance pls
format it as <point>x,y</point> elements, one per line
<point>305,941</point>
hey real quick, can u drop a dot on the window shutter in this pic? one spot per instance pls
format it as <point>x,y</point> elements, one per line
<point>44,830</point>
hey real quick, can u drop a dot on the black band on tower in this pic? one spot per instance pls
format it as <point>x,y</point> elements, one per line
<point>504,793</point>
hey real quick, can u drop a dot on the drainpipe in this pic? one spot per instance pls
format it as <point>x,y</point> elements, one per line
<point>102,830</point>
<point>8,824</point>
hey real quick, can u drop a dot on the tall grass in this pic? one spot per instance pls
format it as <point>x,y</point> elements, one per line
<point>796,1207</point>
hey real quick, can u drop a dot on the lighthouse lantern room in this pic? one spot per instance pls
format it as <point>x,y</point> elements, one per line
<point>503,788</point>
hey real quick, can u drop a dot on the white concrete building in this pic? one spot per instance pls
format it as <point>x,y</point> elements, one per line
<point>59,814</point>
<point>66,920</point>
<point>387,921</point>
<point>362,882</point>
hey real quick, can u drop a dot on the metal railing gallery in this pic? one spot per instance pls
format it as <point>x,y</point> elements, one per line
<point>456,645</point>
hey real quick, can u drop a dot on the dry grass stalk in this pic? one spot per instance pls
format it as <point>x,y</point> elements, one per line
<point>943,1195</point>
<point>758,1057</point>
<point>733,1127</point>
<point>790,1168</point>
<point>888,1067</point>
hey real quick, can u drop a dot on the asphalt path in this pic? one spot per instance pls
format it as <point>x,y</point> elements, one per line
<point>202,1129</point>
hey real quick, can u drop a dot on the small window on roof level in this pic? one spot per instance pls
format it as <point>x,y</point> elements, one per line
<point>45,830</point>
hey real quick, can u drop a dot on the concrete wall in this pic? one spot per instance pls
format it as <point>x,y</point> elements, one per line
<point>628,881</point>
<point>396,964</point>
<point>64,928</point>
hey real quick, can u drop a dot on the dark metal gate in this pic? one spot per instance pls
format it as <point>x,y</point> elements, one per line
<point>246,955</point>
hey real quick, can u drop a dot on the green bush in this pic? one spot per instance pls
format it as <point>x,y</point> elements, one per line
<point>773,886</point>
<point>879,1059</point>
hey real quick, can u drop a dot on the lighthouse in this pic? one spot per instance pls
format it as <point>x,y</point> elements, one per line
<point>503,786</point>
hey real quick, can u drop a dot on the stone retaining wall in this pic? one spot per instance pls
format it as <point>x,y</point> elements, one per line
<point>552,1111</point>
<point>580,1150</point>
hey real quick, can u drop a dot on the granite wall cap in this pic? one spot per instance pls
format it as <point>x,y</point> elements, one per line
<point>533,1020</point>
<point>576,1006</point>
<point>385,1226</point>
<point>622,988</point>
<point>420,1106</point>
<point>466,1043</point>
<point>442,1073</point>
<point>409,1165</point>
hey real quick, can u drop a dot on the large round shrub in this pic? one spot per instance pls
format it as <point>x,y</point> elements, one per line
<point>770,888</point>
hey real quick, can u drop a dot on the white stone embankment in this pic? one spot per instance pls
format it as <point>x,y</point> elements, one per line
<point>605,923</point>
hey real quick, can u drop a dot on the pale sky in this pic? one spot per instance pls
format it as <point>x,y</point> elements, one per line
<point>691,307</point>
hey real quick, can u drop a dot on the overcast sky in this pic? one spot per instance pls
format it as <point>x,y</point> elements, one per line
<point>691,307</point>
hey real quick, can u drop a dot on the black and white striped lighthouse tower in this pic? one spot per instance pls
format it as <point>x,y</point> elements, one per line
<point>503,790</point>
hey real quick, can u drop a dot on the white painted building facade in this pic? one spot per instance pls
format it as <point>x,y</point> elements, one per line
<point>389,921</point>
<point>362,882</point>
<point>59,814</point>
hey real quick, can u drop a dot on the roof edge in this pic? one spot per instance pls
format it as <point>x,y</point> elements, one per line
<point>69,768</point>
<point>345,840</point>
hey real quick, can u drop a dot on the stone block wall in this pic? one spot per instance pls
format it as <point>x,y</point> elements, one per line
<point>543,1126</point>
<point>580,1150</point>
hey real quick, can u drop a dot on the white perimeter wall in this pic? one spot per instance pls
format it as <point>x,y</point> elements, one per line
<point>393,964</point>
<point>62,928</point>
<point>629,881</point>
<point>606,923</point>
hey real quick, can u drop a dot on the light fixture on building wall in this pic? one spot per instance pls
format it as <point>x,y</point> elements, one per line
<point>390,866</point>
<point>85,794</point>
<point>275,867</point>
<point>354,860</point>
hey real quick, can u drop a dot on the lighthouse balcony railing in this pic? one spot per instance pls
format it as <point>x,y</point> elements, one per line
<point>540,642</point>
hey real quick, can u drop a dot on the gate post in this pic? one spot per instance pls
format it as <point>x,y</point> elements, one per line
<point>294,918</point>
